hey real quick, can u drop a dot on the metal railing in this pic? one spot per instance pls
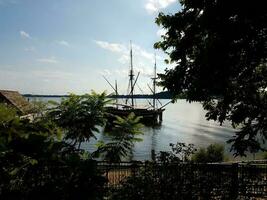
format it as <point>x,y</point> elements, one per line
<point>245,180</point>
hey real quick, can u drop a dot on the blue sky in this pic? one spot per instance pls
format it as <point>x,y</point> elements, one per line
<point>62,46</point>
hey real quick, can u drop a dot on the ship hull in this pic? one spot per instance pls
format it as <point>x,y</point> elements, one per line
<point>148,117</point>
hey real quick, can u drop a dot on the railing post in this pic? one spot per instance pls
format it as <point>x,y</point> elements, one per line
<point>153,155</point>
<point>133,169</point>
<point>235,183</point>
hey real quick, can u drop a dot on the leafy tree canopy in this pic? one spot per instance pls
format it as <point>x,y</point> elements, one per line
<point>80,116</point>
<point>219,49</point>
<point>123,136</point>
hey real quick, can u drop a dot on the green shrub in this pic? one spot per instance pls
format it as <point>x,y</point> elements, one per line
<point>7,113</point>
<point>213,153</point>
<point>36,164</point>
<point>200,156</point>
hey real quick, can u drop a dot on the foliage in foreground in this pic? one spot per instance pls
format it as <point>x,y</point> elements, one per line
<point>80,116</point>
<point>123,136</point>
<point>36,164</point>
<point>172,182</point>
<point>219,48</point>
<point>213,153</point>
<point>40,108</point>
<point>181,152</point>
<point>173,176</point>
<point>42,159</point>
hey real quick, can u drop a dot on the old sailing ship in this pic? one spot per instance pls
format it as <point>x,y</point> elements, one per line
<point>149,116</point>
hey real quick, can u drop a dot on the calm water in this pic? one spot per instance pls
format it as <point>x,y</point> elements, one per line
<point>182,122</point>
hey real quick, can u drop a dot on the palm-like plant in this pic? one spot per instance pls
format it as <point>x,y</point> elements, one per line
<point>80,116</point>
<point>123,136</point>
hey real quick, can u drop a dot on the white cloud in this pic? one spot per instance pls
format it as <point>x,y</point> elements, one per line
<point>144,70</point>
<point>122,72</point>
<point>143,53</point>
<point>143,60</point>
<point>114,47</point>
<point>105,72</point>
<point>161,32</point>
<point>50,60</point>
<point>63,43</point>
<point>153,6</point>
<point>124,50</point>
<point>124,58</point>
<point>25,35</point>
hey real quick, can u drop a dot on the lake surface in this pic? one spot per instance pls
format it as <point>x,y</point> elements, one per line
<point>182,122</point>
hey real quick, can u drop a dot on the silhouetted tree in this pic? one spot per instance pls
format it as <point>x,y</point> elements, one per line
<point>219,49</point>
<point>180,152</point>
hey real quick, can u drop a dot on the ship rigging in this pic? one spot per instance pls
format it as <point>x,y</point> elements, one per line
<point>149,116</point>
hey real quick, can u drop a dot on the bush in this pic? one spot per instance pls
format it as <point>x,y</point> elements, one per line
<point>213,153</point>
<point>7,113</point>
<point>80,116</point>
<point>180,152</point>
<point>36,164</point>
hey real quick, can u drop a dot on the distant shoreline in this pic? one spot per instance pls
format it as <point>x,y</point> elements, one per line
<point>160,95</point>
<point>112,96</point>
<point>41,95</point>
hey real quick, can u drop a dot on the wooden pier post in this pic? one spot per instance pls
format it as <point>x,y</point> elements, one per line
<point>160,116</point>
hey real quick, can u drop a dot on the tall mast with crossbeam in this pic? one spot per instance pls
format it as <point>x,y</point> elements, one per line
<point>154,83</point>
<point>131,75</point>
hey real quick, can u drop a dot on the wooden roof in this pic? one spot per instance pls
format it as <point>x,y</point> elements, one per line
<point>17,100</point>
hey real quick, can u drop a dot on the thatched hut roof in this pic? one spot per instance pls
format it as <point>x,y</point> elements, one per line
<point>15,99</point>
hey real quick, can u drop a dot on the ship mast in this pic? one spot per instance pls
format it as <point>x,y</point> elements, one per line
<point>116,91</point>
<point>131,75</point>
<point>154,83</point>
